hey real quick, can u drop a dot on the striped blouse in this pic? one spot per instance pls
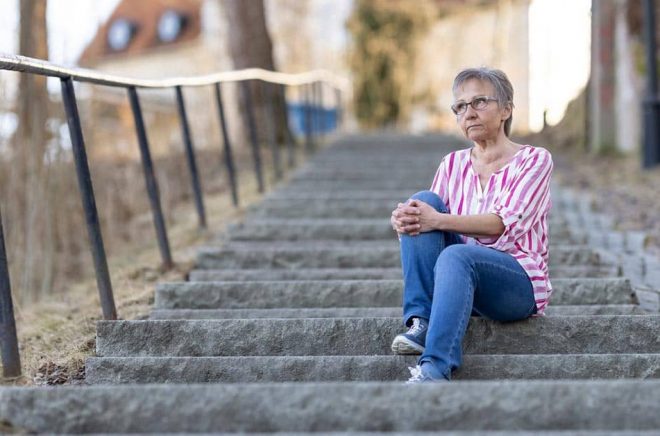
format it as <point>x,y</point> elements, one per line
<point>519,193</point>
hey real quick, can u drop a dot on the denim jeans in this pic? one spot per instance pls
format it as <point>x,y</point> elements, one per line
<point>446,281</point>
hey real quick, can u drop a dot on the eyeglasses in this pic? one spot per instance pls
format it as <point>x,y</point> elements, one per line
<point>478,103</point>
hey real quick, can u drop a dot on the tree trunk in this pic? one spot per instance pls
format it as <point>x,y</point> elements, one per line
<point>30,143</point>
<point>250,46</point>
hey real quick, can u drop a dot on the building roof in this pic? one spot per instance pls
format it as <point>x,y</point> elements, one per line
<point>136,27</point>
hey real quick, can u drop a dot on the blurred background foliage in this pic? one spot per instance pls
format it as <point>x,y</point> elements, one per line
<point>382,58</point>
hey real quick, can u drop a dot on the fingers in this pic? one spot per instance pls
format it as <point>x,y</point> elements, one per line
<point>406,224</point>
<point>411,229</point>
<point>405,211</point>
<point>417,203</point>
<point>409,210</point>
<point>405,218</point>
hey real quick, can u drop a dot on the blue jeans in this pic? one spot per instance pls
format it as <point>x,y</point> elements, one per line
<point>446,281</point>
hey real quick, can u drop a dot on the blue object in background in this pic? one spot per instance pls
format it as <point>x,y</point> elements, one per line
<point>324,120</point>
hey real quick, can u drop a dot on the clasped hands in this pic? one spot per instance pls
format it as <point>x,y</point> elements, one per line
<point>414,217</point>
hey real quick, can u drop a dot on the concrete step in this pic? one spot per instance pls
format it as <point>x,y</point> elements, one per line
<point>369,203</point>
<point>316,173</point>
<point>327,255</point>
<point>369,312</point>
<point>279,369</point>
<point>355,293</point>
<point>331,407</point>
<point>201,275</point>
<point>372,336</point>
<point>204,275</point>
<point>563,249</point>
<point>396,195</point>
<point>277,229</point>
<point>356,207</point>
<point>412,186</point>
<point>286,229</point>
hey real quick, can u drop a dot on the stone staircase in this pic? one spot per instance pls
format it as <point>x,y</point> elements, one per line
<point>286,326</point>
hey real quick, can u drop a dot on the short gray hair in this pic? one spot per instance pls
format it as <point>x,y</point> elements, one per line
<point>500,82</point>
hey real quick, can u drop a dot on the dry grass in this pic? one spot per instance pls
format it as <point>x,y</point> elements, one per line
<point>58,332</point>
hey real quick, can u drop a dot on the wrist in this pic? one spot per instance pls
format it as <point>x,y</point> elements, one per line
<point>440,221</point>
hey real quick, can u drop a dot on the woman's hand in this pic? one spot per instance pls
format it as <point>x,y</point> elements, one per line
<point>405,219</point>
<point>427,216</point>
<point>414,217</point>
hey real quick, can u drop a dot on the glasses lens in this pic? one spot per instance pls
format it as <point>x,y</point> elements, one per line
<point>459,108</point>
<point>480,102</point>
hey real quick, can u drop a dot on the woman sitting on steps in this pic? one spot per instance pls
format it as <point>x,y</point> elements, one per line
<point>477,242</point>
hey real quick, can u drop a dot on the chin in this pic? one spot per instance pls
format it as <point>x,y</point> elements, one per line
<point>476,136</point>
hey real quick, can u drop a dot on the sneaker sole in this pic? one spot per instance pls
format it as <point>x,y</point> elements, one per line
<point>402,345</point>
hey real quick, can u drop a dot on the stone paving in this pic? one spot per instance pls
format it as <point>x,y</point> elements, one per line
<point>286,326</point>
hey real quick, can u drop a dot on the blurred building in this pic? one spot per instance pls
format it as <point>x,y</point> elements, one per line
<point>157,39</point>
<point>170,38</point>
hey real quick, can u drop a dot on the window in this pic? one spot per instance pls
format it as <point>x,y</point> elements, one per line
<point>120,34</point>
<point>171,25</point>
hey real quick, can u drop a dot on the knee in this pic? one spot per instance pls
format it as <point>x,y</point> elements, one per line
<point>455,257</point>
<point>430,198</point>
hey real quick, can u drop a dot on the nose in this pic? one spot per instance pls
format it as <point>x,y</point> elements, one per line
<point>470,112</point>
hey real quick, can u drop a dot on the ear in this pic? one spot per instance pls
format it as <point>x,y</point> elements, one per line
<point>507,111</point>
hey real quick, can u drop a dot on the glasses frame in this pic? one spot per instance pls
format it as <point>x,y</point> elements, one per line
<point>487,98</point>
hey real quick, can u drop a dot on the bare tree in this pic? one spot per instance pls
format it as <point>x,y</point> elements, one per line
<point>250,46</point>
<point>29,145</point>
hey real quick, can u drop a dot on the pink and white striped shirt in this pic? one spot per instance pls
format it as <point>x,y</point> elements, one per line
<point>519,193</point>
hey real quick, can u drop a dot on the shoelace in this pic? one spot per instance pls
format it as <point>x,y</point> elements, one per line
<point>416,374</point>
<point>416,327</point>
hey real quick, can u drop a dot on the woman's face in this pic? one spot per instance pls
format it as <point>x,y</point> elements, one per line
<point>484,124</point>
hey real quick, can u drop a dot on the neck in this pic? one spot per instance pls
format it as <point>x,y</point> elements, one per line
<point>495,148</point>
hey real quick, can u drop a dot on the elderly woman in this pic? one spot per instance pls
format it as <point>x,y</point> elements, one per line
<point>477,242</point>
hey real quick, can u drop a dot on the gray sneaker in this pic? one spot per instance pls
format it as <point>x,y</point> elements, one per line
<point>414,340</point>
<point>419,376</point>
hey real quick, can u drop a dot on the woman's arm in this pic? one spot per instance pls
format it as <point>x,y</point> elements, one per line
<point>474,226</point>
<point>428,219</point>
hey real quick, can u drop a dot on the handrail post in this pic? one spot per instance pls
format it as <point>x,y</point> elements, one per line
<point>307,104</point>
<point>315,114</point>
<point>89,202</point>
<point>312,104</point>
<point>271,128</point>
<point>252,130</point>
<point>190,156</point>
<point>338,111</point>
<point>150,180</point>
<point>229,158</point>
<point>319,109</point>
<point>11,359</point>
<point>290,145</point>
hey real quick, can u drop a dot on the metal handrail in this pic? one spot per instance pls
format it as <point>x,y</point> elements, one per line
<point>310,83</point>
<point>26,64</point>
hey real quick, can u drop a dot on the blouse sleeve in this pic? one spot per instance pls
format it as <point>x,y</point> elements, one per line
<point>524,203</point>
<point>440,183</point>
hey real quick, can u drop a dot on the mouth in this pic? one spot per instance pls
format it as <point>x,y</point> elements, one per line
<point>473,126</point>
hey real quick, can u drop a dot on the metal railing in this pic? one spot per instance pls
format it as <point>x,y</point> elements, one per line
<point>310,84</point>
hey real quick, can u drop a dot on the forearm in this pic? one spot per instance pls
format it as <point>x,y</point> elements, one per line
<point>474,226</point>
